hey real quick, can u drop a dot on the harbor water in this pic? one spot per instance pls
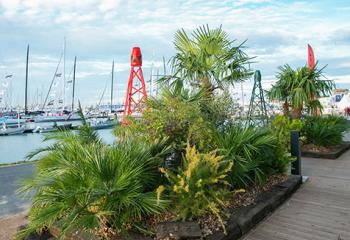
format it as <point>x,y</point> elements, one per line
<point>15,148</point>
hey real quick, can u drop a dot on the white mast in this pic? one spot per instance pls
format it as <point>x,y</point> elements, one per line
<point>151,81</point>
<point>64,73</point>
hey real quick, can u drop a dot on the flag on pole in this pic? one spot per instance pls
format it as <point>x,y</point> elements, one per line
<point>311,58</point>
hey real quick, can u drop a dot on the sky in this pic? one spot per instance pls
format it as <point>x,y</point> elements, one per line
<point>97,32</point>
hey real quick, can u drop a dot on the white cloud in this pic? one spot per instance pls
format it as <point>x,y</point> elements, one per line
<point>108,5</point>
<point>98,31</point>
<point>10,6</point>
<point>245,2</point>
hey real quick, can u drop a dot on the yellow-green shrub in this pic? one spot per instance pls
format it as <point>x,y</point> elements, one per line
<point>199,187</point>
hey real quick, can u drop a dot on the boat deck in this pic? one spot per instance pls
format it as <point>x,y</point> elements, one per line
<point>320,209</point>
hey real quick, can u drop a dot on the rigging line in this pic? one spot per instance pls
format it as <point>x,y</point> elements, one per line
<point>53,79</point>
<point>103,93</point>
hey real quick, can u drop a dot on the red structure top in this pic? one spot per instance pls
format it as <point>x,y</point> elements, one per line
<point>136,57</point>
<point>311,58</point>
<point>136,93</point>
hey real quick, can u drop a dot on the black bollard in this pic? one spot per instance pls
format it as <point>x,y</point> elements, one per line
<point>295,152</point>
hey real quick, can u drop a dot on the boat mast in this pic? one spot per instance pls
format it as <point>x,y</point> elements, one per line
<point>112,86</point>
<point>26,85</point>
<point>75,64</point>
<point>64,74</point>
<point>164,66</point>
<point>157,82</point>
<point>151,81</point>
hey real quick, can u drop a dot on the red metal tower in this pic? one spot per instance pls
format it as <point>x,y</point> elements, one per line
<point>136,94</point>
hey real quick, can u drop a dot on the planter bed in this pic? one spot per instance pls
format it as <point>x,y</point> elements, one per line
<point>333,153</point>
<point>241,219</point>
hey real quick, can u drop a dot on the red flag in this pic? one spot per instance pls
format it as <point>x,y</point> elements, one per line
<point>311,58</point>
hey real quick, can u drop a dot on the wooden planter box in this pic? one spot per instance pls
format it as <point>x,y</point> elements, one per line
<point>241,221</point>
<point>329,155</point>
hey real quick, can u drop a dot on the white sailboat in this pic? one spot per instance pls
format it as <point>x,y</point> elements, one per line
<point>18,129</point>
<point>5,130</point>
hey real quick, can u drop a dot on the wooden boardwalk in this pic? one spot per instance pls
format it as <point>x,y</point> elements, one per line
<point>320,209</point>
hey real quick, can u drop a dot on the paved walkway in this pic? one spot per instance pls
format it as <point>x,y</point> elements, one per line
<point>10,177</point>
<point>319,210</point>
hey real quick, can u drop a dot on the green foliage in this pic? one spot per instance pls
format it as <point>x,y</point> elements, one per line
<point>87,185</point>
<point>176,117</point>
<point>255,152</point>
<point>199,186</point>
<point>324,131</point>
<point>208,59</point>
<point>300,88</point>
<point>219,110</point>
<point>82,183</point>
<point>281,127</point>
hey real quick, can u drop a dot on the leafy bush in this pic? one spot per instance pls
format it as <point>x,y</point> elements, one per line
<point>324,131</point>
<point>175,117</point>
<point>92,186</point>
<point>255,153</point>
<point>281,127</point>
<point>199,186</point>
<point>219,109</point>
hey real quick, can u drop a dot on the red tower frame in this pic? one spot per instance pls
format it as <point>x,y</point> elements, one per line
<point>135,96</point>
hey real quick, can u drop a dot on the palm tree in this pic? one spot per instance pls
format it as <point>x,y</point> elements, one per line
<point>297,89</point>
<point>82,183</point>
<point>280,91</point>
<point>208,59</point>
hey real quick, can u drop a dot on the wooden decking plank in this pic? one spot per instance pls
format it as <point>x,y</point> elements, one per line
<point>319,225</point>
<point>298,230</point>
<point>319,217</point>
<point>320,209</point>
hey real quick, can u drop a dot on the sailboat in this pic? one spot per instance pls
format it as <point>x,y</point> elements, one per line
<point>11,130</point>
<point>6,130</point>
<point>62,114</point>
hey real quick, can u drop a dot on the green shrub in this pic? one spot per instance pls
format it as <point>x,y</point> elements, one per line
<point>255,153</point>
<point>324,131</point>
<point>219,109</point>
<point>281,126</point>
<point>92,186</point>
<point>176,118</point>
<point>199,186</point>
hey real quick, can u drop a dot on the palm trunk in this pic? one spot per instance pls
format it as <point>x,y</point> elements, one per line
<point>285,108</point>
<point>208,87</point>
<point>296,113</point>
<point>316,112</point>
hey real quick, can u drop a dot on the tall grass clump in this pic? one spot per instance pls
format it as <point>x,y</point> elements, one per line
<point>255,152</point>
<point>325,131</point>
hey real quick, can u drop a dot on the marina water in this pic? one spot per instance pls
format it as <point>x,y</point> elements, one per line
<point>15,148</point>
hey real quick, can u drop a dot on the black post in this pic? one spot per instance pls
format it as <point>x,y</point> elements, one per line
<point>75,64</point>
<point>26,85</point>
<point>295,152</point>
